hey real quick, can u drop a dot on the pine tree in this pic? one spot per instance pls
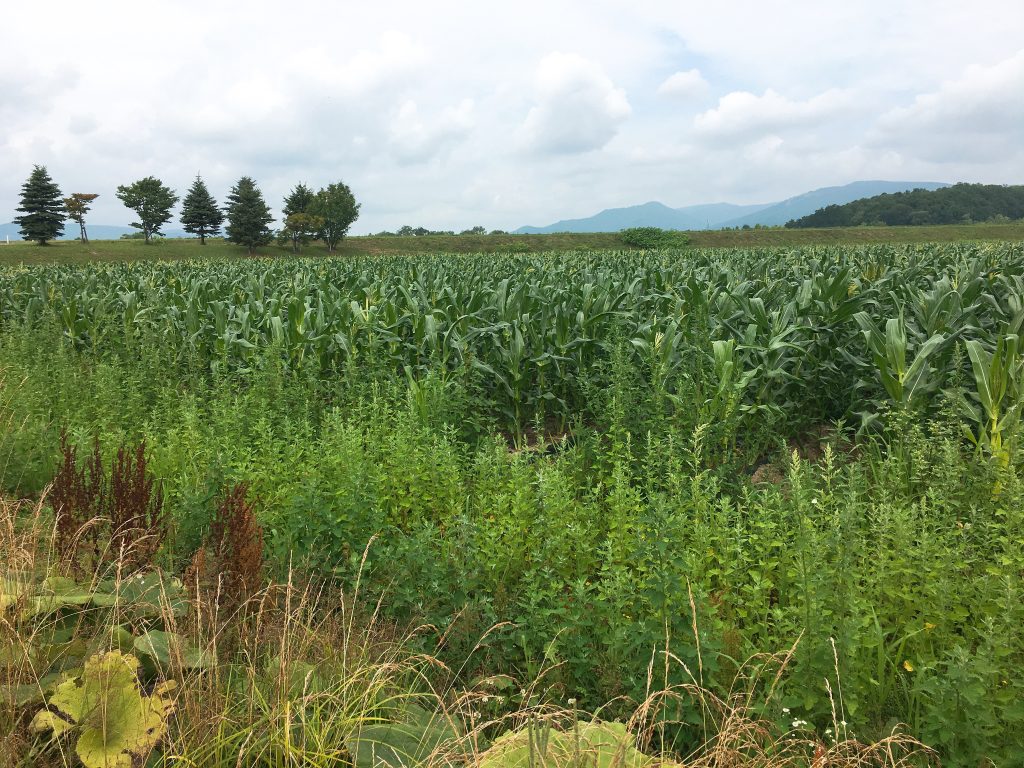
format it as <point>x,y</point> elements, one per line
<point>199,212</point>
<point>248,215</point>
<point>42,206</point>
<point>152,201</point>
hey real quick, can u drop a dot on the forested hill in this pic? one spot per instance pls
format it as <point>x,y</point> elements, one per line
<point>958,204</point>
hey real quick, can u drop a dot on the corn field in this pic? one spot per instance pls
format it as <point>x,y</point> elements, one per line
<point>586,476</point>
<point>795,337</point>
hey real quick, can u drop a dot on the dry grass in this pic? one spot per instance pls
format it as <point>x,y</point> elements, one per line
<point>304,674</point>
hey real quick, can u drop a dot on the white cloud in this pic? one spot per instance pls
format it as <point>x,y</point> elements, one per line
<point>453,114</point>
<point>394,56</point>
<point>743,114</point>
<point>978,116</point>
<point>82,123</point>
<point>892,46</point>
<point>764,149</point>
<point>414,140</point>
<point>688,84</point>
<point>578,107</point>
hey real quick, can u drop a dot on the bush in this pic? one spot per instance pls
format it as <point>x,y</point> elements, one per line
<point>650,238</point>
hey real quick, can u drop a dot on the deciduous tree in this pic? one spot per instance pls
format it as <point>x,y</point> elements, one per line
<point>338,208</point>
<point>152,203</point>
<point>77,206</point>
<point>299,228</point>
<point>248,215</point>
<point>42,207</point>
<point>199,212</point>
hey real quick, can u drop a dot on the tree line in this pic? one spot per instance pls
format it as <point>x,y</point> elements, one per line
<point>324,215</point>
<point>958,204</point>
<point>410,231</point>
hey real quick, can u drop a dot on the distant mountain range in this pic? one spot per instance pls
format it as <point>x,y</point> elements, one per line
<point>722,215</point>
<point>651,214</point>
<point>96,232</point>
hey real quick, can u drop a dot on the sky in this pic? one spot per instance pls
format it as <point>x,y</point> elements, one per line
<point>450,115</point>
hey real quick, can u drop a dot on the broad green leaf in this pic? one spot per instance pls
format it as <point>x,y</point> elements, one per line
<point>116,725</point>
<point>538,745</point>
<point>29,693</point>
<point>410,742</point>
<point>145,595</point>
<point>167,648</point>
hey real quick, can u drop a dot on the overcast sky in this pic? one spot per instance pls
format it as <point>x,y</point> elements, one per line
<point>452,114</point>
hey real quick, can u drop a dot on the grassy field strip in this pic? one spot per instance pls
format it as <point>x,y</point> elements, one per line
<point>173,249</point>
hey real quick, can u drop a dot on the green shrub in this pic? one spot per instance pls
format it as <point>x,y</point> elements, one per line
<point>651,238</point>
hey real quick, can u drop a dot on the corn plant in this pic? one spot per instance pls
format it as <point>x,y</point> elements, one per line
<point>907,383</point>
<point>998,378</point>
<point>533,331</point>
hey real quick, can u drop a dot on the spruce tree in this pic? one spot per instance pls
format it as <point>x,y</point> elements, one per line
<point>199,212</point>
<point>42,206</point>
<point>298,200</point>
<point>248,215</point>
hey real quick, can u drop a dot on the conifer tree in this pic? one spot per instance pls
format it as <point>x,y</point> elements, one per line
<point>248,215</point>
<point>199,212</point>
<point>42,206</point>
<point>299,225</point>
<point>298,200</point>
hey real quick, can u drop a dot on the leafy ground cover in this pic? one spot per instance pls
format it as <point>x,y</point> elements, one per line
<point>302,676</point>
<point>592,476</point>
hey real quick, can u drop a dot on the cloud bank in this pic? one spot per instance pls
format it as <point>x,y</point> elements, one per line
<point>450,115</point>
